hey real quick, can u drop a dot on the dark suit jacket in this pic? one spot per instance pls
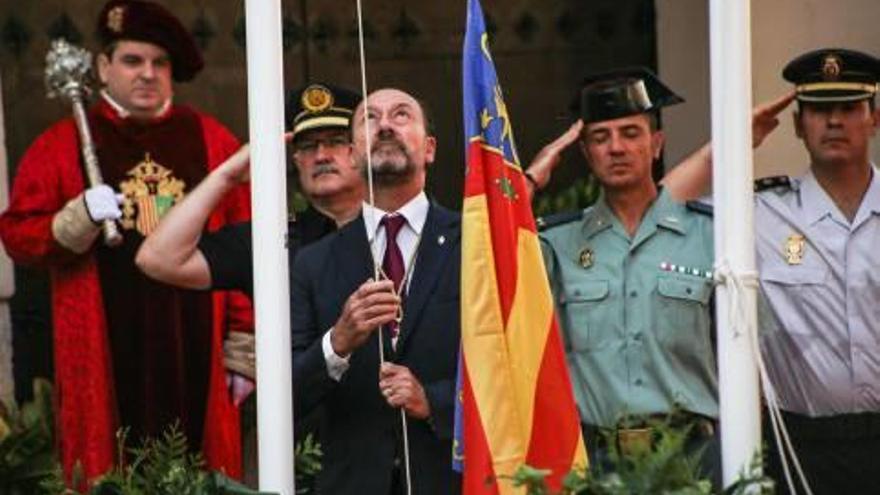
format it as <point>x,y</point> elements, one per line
<point>361,432</point>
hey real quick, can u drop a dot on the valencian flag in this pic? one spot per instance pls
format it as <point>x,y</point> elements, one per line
<point>516,405</point>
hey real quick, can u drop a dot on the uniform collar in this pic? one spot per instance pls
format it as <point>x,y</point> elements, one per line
<point>662,213</point>
<point>667,213</point>
<point>816,204</point>
<point>871,201</point>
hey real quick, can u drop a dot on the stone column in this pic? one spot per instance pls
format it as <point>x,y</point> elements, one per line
<point>7,280</point>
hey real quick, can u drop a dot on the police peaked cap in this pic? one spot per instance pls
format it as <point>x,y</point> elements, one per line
<point>833,75</point>
<point>319,106</point>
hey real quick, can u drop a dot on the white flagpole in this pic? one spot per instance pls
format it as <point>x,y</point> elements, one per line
<point>7,282</point>
<point>731,76</point>
<point>271,288</point>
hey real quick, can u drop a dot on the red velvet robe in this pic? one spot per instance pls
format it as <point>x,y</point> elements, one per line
<point>147,350</point>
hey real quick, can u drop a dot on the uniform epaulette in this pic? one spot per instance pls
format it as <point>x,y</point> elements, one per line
<point>700,207</point>
<point>773,182</point>
<point>555,219</point>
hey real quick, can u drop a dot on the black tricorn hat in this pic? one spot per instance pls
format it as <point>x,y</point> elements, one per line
<point>319,106</point>
<point>139,20</point>
<point>621,93</point>
<point>833,75</point>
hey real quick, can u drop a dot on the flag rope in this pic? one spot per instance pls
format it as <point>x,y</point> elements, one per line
<point>738,283</point>
<point>371,199</point>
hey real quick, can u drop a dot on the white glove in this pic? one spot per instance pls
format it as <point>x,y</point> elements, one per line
<point>103,204</point>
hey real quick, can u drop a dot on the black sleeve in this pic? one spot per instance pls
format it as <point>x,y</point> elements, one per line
<point>228,252</point>
<point>311,381</point>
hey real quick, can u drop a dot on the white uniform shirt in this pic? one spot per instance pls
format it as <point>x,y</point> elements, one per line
<point>820,318</point>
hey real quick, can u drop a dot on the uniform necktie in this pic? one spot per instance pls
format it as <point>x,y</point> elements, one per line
<point>392,262</point>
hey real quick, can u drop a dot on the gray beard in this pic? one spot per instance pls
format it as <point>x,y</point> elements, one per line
<point>388,171</point>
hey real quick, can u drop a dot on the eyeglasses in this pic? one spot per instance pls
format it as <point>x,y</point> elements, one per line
<point>310,146</point>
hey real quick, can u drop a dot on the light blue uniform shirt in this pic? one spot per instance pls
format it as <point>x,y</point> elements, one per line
<point>820,318</point>
<point>635,311</point>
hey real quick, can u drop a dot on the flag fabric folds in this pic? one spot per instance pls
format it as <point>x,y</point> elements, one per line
<point>515,402</point>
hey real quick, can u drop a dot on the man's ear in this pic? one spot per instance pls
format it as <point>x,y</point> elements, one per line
<point>103,67</point>
<point>875,120</point>
<point>430,149</point>
<point>658,139</point>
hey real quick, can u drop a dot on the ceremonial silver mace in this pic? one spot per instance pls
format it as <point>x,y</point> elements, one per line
<point>68,74</point>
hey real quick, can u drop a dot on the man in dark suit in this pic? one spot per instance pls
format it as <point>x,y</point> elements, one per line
<point>338,306</point>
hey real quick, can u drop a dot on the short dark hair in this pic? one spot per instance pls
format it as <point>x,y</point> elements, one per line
<point>653,122</point>
<point>109,48</point>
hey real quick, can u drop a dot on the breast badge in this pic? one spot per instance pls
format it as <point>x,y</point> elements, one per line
<point>150,192</point>
<point>794,249</point>
<point>586,257</point>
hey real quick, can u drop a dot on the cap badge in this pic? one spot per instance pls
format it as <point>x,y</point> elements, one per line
<point>116,18</point>
<point>831,67</point>
<point>317,99</point>
<point>794,249</point>
<point>586,258</point>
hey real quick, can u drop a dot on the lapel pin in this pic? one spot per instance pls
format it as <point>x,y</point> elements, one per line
<point>441,240</point>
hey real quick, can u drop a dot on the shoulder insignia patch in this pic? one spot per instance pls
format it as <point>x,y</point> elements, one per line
<point>700,207</point>
<point>773,182</point>
<point>546,222</point>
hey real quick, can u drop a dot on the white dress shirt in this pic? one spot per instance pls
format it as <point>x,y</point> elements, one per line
<point>416,213</point>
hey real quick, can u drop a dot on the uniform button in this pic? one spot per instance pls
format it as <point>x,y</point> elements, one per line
<point>633,294</point>
<point>637,336</point>
<point>689,290</point>
<point>638,382</point>
<point>397,462</point>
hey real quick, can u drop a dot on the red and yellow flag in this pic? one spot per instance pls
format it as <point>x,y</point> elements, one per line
<point>516,402</point>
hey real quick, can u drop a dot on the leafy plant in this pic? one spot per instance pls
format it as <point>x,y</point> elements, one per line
<point>666,468</point>
<point>27,454</point>
<point>581,193</point>
<point>162,466</point>
<point>307,464</point>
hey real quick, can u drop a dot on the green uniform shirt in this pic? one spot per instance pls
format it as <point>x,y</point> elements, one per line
<point>635,311</point>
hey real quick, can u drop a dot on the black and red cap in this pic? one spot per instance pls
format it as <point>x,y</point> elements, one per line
<point>139,20</point>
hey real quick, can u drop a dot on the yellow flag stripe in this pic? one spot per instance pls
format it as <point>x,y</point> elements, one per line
<point>504,388</point>
<point>484,347</point>
<point>529,323</point>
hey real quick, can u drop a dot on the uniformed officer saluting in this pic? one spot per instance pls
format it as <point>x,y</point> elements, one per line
<point>816,240</point>
<point>632,275</point>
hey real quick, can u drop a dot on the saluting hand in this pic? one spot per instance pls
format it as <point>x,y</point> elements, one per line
<point>402,389</point>
<point>236,169</point>
<point>541,167</point>
<point>765,117</point>
<point>372,305</point>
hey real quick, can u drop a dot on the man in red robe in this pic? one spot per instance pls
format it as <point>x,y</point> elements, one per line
<point>130,352</point>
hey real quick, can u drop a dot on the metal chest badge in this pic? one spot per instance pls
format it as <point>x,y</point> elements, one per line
<point>150,192</point>
<point>586,257</point>
<point>794,249</point>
